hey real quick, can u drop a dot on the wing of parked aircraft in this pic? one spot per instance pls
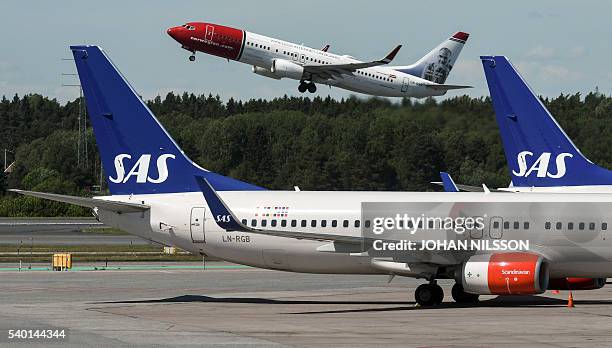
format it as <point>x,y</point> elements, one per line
<point>228,221</point>
<point>118,207</point>
<point>330,70</point>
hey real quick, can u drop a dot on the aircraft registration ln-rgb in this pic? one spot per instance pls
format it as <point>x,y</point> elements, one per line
<point>279,59</point>
<point>159,194</point>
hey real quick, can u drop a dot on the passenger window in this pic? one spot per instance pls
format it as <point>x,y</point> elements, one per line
<point>323,223</point>
<point>592,226</point>
<point>506,225</point>
<point>334,223</point>
<point>430,224</point>
<point>558,225</point>
<point>604,226</point>
<point>516,225</point>
<point>254,223</point>
<point>526,225</point>
<point>581,226</point>
<point>547,225</point>
<point>409,224</point>
<point>303,223</point>
<point>357,223</point>
<point>284,223</point>
<point>345,223</point>
<point>273,223</point>
<point>367,223</point>
<point>570,226</point>
<point>264,223</point>
<point>244,221</point>
<point>313,223</point>
<point>293,223</point>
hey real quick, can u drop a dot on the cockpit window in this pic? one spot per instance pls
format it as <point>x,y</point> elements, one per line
<point>190,27</point>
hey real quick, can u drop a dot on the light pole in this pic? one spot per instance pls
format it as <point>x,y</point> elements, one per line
<point>5,151</point>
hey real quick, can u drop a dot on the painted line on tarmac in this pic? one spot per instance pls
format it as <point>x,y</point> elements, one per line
<point>126,268</point>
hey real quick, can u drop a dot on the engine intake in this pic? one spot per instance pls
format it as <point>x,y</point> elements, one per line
<point>505,274</point>
<point>284,68</point>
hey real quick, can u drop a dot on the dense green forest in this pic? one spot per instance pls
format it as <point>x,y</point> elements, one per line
<point>316,144</point>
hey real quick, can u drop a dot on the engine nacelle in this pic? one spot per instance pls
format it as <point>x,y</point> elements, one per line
<point>505,274</point>
<point>264,72</point>
<point>576,283</point>
<point>284,68</point>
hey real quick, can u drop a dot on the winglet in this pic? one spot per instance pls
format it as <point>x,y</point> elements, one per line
<point>449,184</point>
<point>391,55</point>
<point>222,214</point>
<point>324,49</point>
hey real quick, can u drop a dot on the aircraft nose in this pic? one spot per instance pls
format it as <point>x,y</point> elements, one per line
<point>173,32</point>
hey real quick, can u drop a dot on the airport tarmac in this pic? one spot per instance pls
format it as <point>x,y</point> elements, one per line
<point>229,305</point>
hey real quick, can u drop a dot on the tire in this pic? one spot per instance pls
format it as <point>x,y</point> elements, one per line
<point>425,295</point>
<point>312,88</point>
<point>460,296</point>
<point>191,58</point>
<point>302,88</point>
<point>439,294</point>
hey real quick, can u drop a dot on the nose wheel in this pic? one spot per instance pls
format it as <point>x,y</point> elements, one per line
<point>429,294</point>
<point>192,57</point>
<point>307,86</point>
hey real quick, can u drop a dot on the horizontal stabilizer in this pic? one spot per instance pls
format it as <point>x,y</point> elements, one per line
<point>439,87</point>
<point>118,207</point>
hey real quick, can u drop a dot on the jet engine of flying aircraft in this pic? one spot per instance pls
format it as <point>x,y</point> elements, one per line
<point>159,194</point>
<point>279,59</point>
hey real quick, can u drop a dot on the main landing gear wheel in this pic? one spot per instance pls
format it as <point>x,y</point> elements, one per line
<point>192,57</point>
<point>429,294</point>
<point>302,87</point>
<point>460,296</point>
<point>311,87</point>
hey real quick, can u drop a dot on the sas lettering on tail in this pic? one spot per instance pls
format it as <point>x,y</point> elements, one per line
<point>540,166</point>
<point>140,169</point>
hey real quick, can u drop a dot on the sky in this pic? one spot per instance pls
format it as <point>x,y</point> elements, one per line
<point>558,46</point>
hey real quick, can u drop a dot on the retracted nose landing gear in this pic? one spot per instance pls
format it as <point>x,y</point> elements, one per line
<point>307,85</point>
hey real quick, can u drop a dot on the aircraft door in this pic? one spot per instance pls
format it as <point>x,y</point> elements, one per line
<point>210,30</point>
<point>496,227</point>
<point>405,85</point>
<point>196,225</point>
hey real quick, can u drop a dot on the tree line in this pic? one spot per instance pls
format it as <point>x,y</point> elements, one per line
<point>314,143</point>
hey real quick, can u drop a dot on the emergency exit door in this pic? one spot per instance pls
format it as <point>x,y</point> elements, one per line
<point>197,225</point>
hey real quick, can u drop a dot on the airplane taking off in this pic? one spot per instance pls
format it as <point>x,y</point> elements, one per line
<point>279,59</point>
<point>159,194</point>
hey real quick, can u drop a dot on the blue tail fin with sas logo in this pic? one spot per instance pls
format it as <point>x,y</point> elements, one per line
<point>138,155</point>
<point>538,151</point>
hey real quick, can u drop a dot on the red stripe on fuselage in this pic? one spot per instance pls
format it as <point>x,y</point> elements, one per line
<point>214,39</point>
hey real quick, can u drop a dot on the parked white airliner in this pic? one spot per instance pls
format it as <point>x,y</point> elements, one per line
<point>278,59</point>
<point>161,195</point>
